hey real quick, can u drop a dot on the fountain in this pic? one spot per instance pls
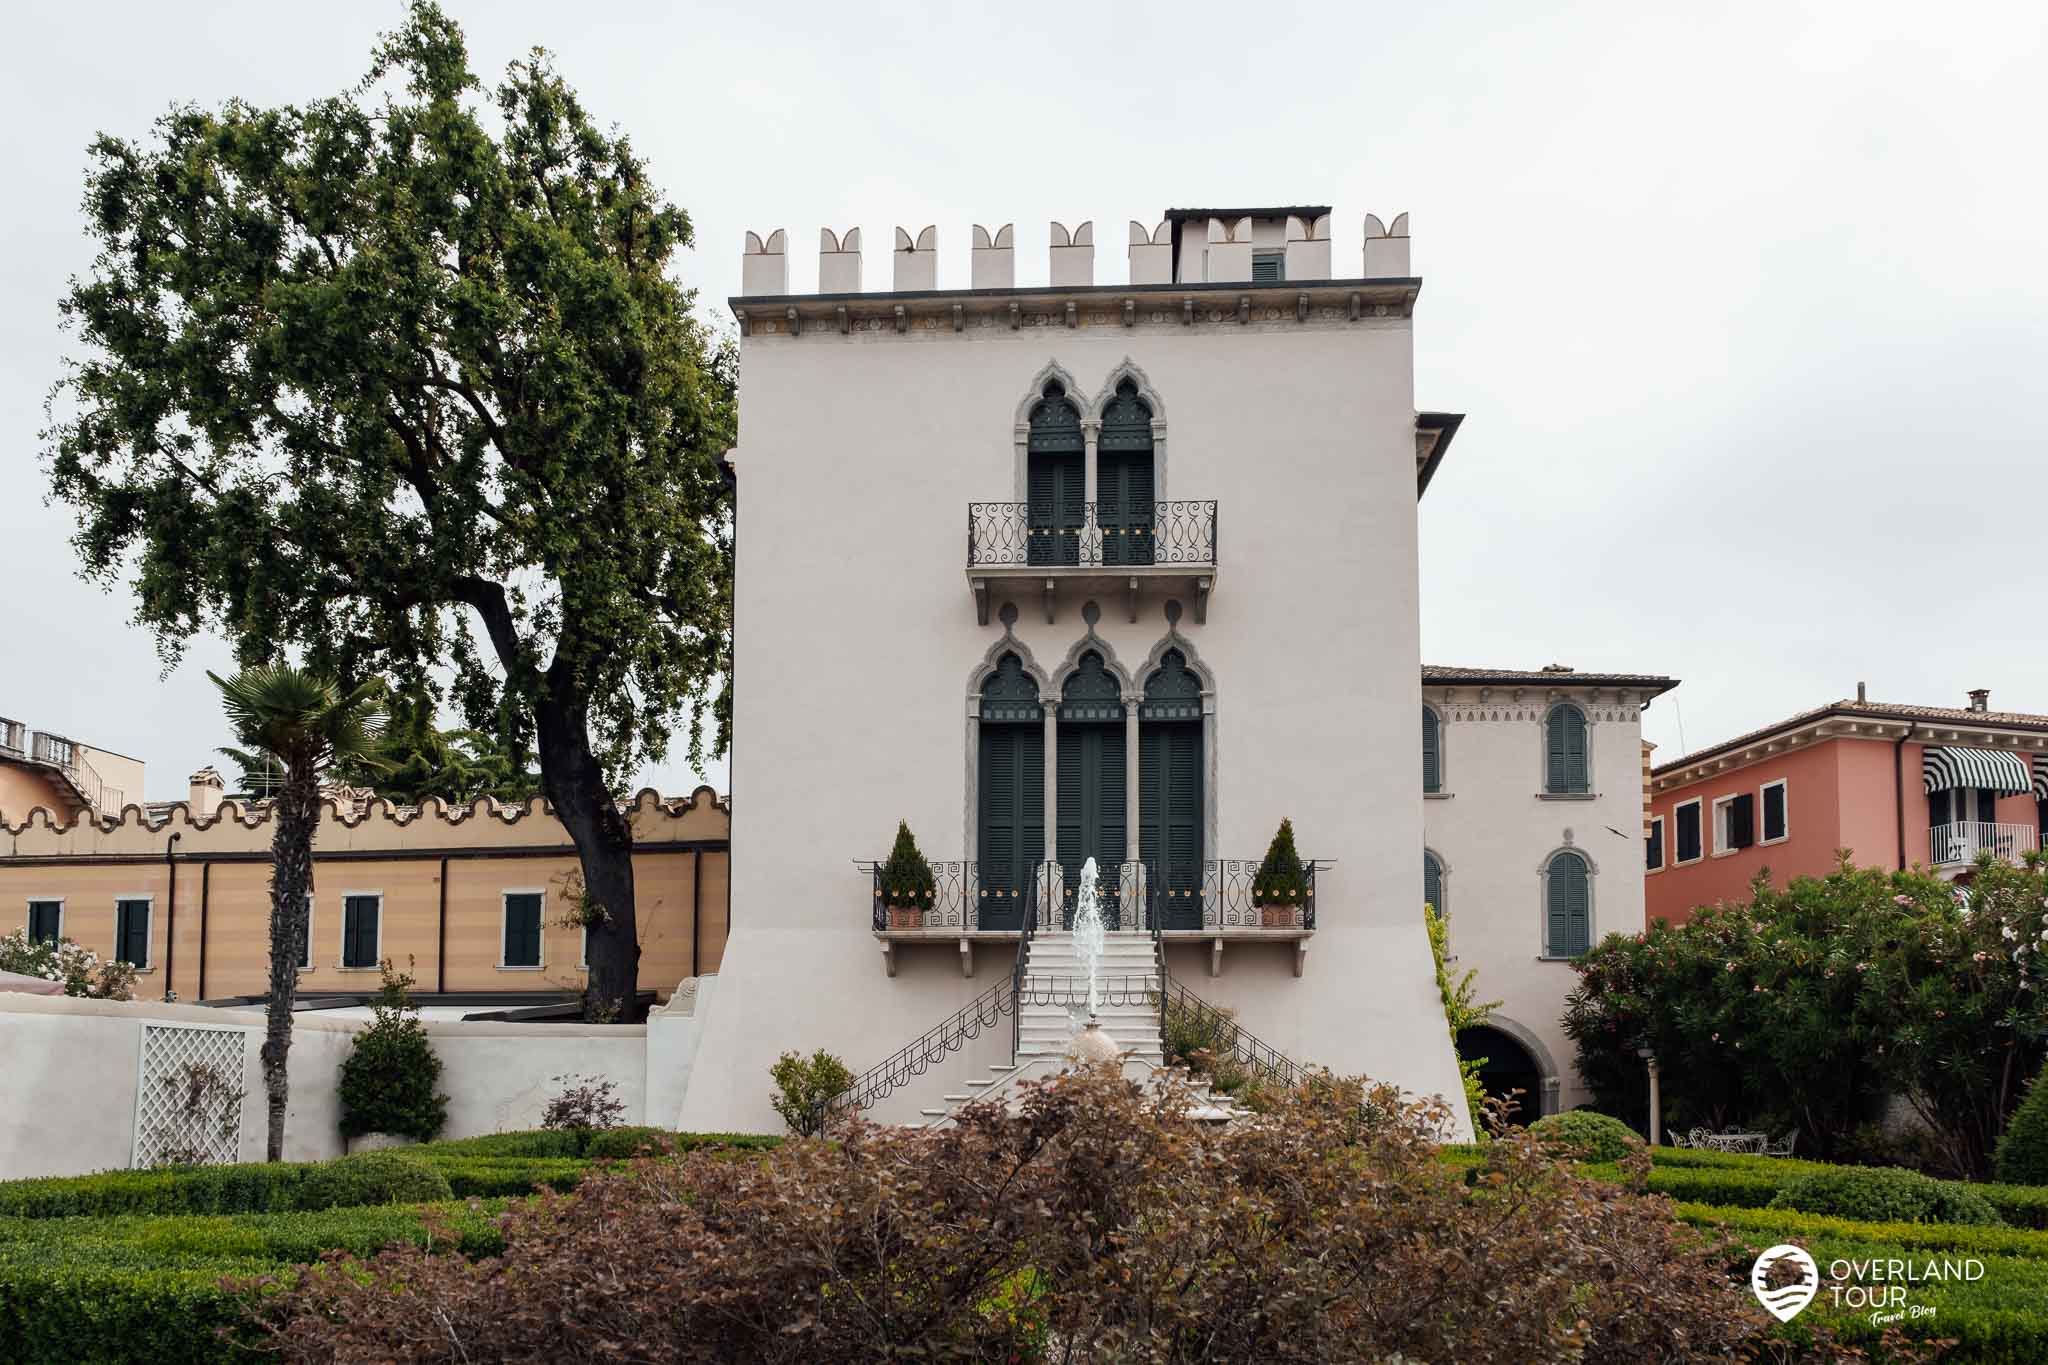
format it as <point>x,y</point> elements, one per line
<point>1088,933</point>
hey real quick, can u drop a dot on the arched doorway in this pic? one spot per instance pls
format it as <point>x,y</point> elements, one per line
<point>1055,479</point>
<point>1091,798</point>
<point>1507,1067</point>
<point>1170,806</point>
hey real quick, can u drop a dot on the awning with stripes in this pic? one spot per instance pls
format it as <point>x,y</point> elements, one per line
<point>1947,769</point>
<point>2041,777</point>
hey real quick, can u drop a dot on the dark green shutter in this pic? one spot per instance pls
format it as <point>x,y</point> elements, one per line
<point>1055,480</point>
<point>1433,882</point>
<point>1653,846</point>
<point>1170,818</point>
<point>44,921</point>
<point>1742,821</point>
<point>1774,811</point>
<point>522,930</point>
<point>1432,752</point>
<point>359,931</point>
<point>1012,824</point>
<point>1269,267</point>
<point>1565,767</point>
<point>131,932</point>
<point>1688,818</point>
<point>1569,906</point>
<point>1123,479</point>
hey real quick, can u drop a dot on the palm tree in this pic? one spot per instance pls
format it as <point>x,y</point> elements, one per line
<point>300,724</point>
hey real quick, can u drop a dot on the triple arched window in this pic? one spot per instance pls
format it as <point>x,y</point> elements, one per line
<point>1567,904</point>
<point>1567,764</point>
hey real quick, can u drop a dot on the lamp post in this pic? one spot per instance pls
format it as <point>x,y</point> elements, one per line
<point>1656,1103</point>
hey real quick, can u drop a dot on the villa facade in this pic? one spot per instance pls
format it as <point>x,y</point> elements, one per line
<point>1123,571</point>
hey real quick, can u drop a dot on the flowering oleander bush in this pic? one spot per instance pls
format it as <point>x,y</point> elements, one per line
<point>82,971</point>
<point>1805,1006</point>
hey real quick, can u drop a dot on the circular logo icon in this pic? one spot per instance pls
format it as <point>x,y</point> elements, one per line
<point>1787,1292</point>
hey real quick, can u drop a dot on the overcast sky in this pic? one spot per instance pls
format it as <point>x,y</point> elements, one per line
<point>1747,305</point>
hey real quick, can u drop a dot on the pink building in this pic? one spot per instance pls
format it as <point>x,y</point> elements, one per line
<point>1897,785</point>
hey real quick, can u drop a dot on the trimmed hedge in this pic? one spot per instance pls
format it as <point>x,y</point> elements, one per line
<point>372,1178</point>
<point>594,1143</point>
<point>150,1289</point>
<point>1588,1136</point>
<point>1886,1196</point>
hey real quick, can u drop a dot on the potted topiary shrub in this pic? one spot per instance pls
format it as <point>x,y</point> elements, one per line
<point>908,887</point>
<point>1281,887</point>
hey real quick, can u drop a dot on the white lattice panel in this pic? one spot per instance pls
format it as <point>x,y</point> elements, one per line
<point>164,1084</point>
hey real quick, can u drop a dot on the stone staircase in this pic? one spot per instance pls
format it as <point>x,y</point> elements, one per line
<point>1054,1005</point>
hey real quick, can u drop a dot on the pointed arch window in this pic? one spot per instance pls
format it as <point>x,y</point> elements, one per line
<point>1092,798</point>
<point>1124,484</point>
<point>1567,905</point>
<point>1432,750</point>
<point>1433,881</point>
<point>1567,770</point>
<point>1055,475</point>
<point>1170,789</point>
<point>1010,803</point>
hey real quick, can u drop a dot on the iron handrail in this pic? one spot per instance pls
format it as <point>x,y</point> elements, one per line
<point>1232,1038</point>
<point>921,1053</point>
<point>1090,534</point>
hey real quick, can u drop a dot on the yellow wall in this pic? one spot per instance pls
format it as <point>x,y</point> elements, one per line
<point>24,789</point>
<point>223,882</point>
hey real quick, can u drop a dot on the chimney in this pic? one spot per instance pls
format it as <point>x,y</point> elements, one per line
<point>1862,693</point>
<point>1980,699</point>
<point>207,787</point>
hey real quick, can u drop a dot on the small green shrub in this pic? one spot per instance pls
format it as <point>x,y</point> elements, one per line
<point>1588,1136</point>
<point>495,1177</point>
<point>372,1178</point>
<point>803,1085</point>
<point>1281,879</point>
<point>389,1075</point>
<point>1874,1195</point>
<point>2023,1150</point>
<point>907,878</point>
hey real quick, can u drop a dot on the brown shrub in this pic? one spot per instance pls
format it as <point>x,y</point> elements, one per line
<point>1092,1225</point>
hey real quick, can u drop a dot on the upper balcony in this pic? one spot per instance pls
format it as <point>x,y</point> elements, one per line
<point>1957,845</point>
<point>1091,548</point>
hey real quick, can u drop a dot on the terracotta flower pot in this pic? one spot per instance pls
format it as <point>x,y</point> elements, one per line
<point>1280,915</point>
<point>905,917</point>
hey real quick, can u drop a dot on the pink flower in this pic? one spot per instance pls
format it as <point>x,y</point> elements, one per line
<point>1731,966</point>
<point>1902,900</point>
<point>1717,1037</point>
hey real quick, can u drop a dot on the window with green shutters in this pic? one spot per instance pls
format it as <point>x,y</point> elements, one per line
<point>360,930</point>
<point>1170,783</point>
<point>1567,771</point>
<point>522,928</point>
<point>1269,267</point>
<point>1653,846</point>
<point>131,932</point>
<point>1432,751</point>
<point>1433,882</point>
<point>1055,477</point>
<point>1568,906</point>
<point>1091,799</point>
<point>1125,509</point>
<point>1010,776</point>
<point>45,921</point>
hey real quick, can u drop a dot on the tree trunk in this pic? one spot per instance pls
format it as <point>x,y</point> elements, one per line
<point>297,812</point>
<point>574,782</point>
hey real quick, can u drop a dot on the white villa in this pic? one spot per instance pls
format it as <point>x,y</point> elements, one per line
<point>1534,805</point>
<point>1122,570</point>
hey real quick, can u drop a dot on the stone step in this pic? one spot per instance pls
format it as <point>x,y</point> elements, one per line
<point>934,1113</point>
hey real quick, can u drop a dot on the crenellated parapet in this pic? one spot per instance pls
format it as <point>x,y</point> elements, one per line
<point>1240,247</point>
<point>236,827</point>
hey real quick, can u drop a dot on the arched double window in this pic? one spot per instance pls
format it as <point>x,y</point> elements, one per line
<point>1433,881</point>
<point>1055,477</point>
<point>1093,796</point>
<point>1432,750</point>
<point>1567,767</point>
<point>1567,905</point>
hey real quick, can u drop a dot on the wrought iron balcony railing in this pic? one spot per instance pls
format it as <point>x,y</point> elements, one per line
<point>1173,897</point>
<point>1090,535</point>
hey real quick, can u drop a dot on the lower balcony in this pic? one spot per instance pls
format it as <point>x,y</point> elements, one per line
<point>1959,844</point>
<point>1216,901</point>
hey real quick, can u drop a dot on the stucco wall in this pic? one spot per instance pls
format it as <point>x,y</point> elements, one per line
<point>1494,832</point>
<point>70,1069</point>
<point>24,789</point>
<point>857,636</point>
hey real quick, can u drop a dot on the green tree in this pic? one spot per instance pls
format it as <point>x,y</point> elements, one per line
<point>416,759</point>
<point>400,378</point>
<point>305,725</point>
